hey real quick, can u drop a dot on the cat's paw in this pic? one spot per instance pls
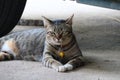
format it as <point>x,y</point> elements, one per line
<point>61,69</point>
<point>68,67</point>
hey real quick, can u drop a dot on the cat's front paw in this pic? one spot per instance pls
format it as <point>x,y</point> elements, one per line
<point>68,67</point>
<point>64,68</point>
<point>61,69</point>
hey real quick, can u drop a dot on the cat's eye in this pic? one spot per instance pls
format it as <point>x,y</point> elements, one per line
<point>67,32</point>
<point>51,33</point>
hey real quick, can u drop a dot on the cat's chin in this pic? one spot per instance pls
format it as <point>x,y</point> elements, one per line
<point>57,43</point>
<point>60,44</point>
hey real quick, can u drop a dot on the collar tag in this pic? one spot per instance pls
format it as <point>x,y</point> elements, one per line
<point>61,54</point>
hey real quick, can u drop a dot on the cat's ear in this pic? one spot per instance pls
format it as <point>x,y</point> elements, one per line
<point>47,22</point>
<point>69,20</point>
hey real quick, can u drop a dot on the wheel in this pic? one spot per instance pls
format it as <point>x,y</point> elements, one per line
<point>10,13</point>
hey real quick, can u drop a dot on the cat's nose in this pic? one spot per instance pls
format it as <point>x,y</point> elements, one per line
<point>59,36</point>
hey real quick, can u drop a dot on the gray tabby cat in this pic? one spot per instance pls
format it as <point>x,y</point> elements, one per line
<point>55,46</point>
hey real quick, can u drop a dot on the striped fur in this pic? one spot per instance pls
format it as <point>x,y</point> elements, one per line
<point>29,44</point>
<point>44,45</point>
<point>60,38</point>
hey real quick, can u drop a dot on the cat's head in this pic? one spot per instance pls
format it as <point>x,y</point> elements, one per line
<point>59,32</point>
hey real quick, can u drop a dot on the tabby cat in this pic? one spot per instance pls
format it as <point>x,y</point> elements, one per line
<point>55,46</point>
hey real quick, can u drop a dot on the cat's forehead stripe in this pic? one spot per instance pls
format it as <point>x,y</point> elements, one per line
<point>56,22</point>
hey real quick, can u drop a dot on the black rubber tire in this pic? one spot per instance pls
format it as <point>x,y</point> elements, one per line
<point>10,13</point>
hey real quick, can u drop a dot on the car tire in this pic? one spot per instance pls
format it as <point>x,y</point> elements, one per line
<point>10,13</point>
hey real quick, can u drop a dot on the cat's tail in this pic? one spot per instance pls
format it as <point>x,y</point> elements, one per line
<point>9,50</point>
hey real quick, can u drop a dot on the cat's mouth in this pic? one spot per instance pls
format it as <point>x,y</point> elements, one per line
<point>60,42</point>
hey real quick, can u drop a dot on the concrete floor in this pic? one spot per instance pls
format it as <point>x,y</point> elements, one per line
<point>102,64</point>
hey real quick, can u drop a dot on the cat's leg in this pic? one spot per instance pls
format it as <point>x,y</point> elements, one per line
<point>72,64</point>
<point>49,61</point>
<point>9,50</point>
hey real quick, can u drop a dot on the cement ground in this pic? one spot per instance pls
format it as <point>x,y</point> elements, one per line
<point>103,63</point>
